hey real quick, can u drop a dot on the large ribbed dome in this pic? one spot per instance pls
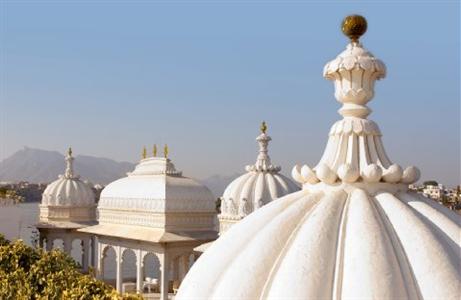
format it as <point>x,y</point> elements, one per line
<point>68,198</point>
<point>353,232</point>
<point>260,185</point>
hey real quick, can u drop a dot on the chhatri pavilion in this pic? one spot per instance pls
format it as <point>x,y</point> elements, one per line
<point>68,204</point>
<point>354,231</point>
<point>154,211</point>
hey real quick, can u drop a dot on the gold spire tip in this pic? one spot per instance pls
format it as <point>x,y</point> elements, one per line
<point>354,26</point>
<point>154,150</point>
<point>263,127</point>
<point>165,151</point>
<point>144,153</point>
<point>69,151</point>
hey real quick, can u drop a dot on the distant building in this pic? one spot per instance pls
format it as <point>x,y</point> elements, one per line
<point>434,191</point>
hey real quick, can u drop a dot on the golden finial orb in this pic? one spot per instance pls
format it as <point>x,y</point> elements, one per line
<point>354,26</point>
<point>263,127</point>
<point>165,151</point>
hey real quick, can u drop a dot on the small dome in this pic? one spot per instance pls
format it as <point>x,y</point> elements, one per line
<point>68,190</point>
<point>260,185</point>
<point>68,199</point>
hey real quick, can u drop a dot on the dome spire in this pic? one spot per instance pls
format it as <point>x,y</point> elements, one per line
<point>69,165</point>
<point>154,150</point>
<point>263,160</point>
<point>354,71</point>
<point>336,238</point>
<point>355,151</point>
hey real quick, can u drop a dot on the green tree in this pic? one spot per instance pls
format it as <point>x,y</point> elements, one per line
<point>10,194</point>
<point>28,273</point>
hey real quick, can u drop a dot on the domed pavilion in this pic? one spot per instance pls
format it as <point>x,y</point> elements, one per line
<point>354,231</point>
<point>261,184</point>
<point>157,211</point>
<point>67,205</point>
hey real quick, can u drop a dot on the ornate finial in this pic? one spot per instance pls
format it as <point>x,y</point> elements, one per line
<point>69,173</point>
<point>263,127</point>
<point>165,151</point>
<point>144,152</point>
<point>154,151</point>
<point>354,26</point>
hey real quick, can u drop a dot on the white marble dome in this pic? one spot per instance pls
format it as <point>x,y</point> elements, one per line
<point>354,231</point>
<point>261,184</point>
<point>68,198</point>
<point>68,192</point>
<point>156,195</point>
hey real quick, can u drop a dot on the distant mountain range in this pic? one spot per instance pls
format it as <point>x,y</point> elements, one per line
<point>43,166</point>
<point>36,165</point>
<point>218,183</point>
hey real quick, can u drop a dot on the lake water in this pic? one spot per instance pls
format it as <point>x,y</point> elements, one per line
<point>18,222</point>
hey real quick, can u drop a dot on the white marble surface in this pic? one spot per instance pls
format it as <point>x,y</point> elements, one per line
<point>353,232</point>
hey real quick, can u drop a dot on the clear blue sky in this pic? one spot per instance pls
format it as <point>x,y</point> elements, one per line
<point>108,77</point>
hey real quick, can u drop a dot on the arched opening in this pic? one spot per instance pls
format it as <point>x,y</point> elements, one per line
<point>183,266</point>
<point>77,251</point>
<point>151,272</point>
<point>58,244</point>
<point>180,265</point>
<point>109,265</point>
<point>151,265</point>
<point>128,266</point>
<point>44,243</point>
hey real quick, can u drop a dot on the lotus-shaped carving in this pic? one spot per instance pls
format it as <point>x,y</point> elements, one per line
<point>357,96</point>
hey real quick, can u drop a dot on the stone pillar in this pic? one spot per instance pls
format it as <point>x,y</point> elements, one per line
<point>49,243</point>
<point>175,270</point>
<point>185,267</point>
<point>67,244</point>
<point>40,241</point>
<point>165,275</point>
<point>86,253</point>
<point>100,262</point>
<point>94,250</point>
<point>139,272</point>
<point>119,278</point>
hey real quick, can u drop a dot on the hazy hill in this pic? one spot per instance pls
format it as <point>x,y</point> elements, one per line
<point>217,183</point>
<point>42,166</point>
<point>36,165</point>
